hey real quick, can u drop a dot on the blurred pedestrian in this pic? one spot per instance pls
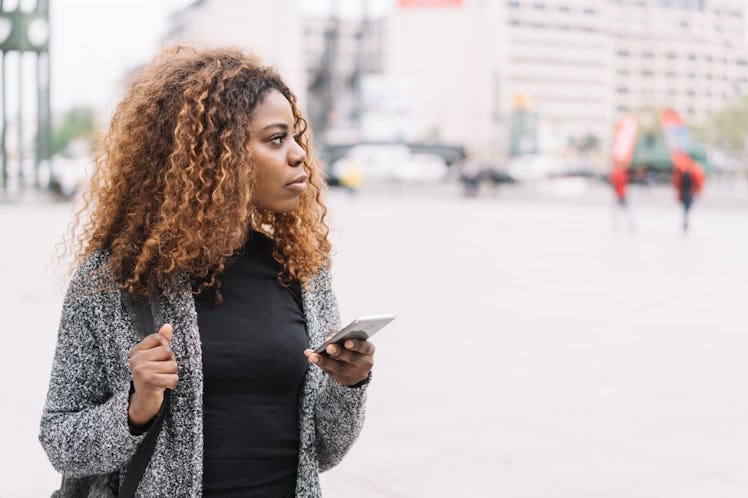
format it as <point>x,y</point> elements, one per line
<point>207,199</point>
<point>471,176</point>
<point>619,178</point>
<point>688,180</point>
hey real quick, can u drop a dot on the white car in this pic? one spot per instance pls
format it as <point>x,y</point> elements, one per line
<point>533,167</point>
<point>69,174</point>
<point>422,167</point>
<point>389,163</point>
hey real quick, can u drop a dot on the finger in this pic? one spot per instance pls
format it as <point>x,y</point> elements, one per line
<point>166,331</point>
<point>147,370</point>
<point>157,354</point>
<point>166,381</point>
<point>341,354</point>
<point>164,367</point>
<point>363,347</point>
<point>150,341</point>
<point>142,368</point>
<point>326,363</point>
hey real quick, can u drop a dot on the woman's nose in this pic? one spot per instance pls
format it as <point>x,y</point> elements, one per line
<point>297,155</point>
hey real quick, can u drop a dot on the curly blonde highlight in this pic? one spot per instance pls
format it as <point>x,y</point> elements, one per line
<point>172,192</point>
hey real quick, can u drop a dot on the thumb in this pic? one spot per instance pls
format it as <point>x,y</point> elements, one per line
<point>166,331</point>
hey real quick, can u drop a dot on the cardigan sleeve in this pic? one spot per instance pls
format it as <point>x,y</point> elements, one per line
<point>84,428</point>
<point>339,411</point>
<point>339,418</point>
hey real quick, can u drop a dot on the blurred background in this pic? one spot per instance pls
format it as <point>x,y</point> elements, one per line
<point>560,332</point>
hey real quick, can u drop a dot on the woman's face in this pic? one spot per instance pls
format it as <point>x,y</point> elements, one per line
<point>276,155</point>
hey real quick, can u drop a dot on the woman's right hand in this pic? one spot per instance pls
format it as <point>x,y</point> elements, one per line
<point>153,367</point>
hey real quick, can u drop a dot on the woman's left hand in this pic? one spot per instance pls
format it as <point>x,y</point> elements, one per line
<point>348,363</point>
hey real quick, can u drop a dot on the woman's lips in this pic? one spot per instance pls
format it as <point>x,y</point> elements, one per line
<point>298,185</point>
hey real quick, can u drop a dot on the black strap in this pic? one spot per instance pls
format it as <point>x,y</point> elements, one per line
<point>145,314</point>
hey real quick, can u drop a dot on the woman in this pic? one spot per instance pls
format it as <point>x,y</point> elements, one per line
<point>207,195</point>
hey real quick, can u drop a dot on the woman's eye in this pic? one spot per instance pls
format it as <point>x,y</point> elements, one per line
<point>278,139</point>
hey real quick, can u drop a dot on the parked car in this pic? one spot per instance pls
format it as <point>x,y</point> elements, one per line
<point>422,167</point>
<point>68,174</point>
<point>533,167</point>
<point>386,163</point>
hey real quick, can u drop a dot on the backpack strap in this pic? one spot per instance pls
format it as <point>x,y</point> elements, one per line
<point>147,318</point>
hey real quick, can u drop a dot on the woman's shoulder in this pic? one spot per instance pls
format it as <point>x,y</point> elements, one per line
<point>318,291</point>
<point>319,283</point>
<point>92,274</point>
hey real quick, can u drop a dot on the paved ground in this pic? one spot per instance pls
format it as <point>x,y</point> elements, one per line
<point>538,353</point>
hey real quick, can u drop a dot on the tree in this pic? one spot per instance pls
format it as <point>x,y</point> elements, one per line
<point>78,122</point>
<point>727,128</point>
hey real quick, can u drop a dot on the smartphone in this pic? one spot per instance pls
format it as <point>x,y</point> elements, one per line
<point>361,328</point>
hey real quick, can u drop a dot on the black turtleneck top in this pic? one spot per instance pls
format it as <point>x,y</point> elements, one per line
<point>253,367</point>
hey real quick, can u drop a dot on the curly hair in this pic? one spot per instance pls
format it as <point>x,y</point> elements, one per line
<point>171,195</point>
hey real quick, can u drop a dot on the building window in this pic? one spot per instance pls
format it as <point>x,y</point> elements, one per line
<point>622,89</point>
<point>623,53</point>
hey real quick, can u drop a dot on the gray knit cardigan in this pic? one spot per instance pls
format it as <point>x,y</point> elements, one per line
<point>84,426</point>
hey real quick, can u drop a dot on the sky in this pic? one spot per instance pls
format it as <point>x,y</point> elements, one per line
<point>94,42</point>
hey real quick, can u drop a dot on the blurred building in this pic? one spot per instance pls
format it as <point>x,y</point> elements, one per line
<point>573,66</point>
<point>449,58</point>
<point>556,58</point>
<point>511,76</point>
<point>687,54</point>
<point>482,67</point>
<point>337,54</point>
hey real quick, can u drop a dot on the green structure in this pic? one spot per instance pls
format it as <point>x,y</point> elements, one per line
<point>523,132</point>
<point>26,33</point>
<point>652,153</point>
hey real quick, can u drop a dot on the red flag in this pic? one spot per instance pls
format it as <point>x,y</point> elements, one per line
<point>624,141</point>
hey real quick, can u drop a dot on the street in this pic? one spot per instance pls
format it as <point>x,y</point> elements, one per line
<point>537,352</point>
